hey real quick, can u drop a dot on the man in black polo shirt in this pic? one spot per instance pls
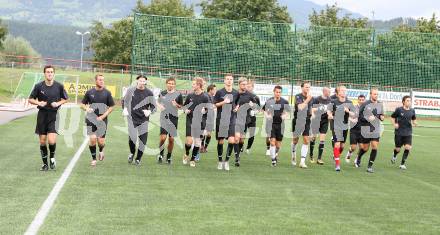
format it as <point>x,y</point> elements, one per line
<point>370,117</point>
<point>251,118</point>
<point>98,103</point>
<point>170,101</point>
<point>138,105</point>
<point>196,104</point>
<point>403,118</point>
<point>48,95</point>
<point>210,119</point>
<point>226,102</point>
<point>355,131</point>
<point>301,123</point>
<point>319,123</point>
<point>276,110</point>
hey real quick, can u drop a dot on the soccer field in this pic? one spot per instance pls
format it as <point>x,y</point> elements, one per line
<point>118,198</point>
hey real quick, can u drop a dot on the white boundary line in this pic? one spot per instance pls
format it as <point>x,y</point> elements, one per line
<point>50,200</point>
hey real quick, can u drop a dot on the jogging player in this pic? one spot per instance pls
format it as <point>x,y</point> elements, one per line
<point>48,95</point>
<point>355,131</point>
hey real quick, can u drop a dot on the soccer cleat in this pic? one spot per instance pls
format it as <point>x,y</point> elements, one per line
<point>198,157</point>
<point>293,161</point>
<point>402,167</point>
<point>53,163</point>
<point>338,168</point>
<point>169,161</point>
<point>185,160</point>
<point>220,166</point>
<point>393,160</point>
<point>357,163</point>
<point>159,159</point>
<point>130,158</point>
<point>93,163</point>
<point>226,165</point>
<point>268,152</point>
<point>347,159</point>
<point>320,162</point>
<point>248,151</point>
<point>137,162</point>
<point>44,167</point>
<point>370,170</point>
<point>303,165</point>
<point>101,156</point>
<point>312,160</point>
<point>274,163</point>
<point>192,164</point>
<point>237,162</point>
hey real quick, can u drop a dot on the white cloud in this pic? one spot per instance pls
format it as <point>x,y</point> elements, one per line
<point>388,9</point>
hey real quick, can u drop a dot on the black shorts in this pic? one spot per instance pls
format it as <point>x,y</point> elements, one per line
<point>46,122</point>
<point>193,131</point>
<point>323,126</point>
<point>222,132</point>
<point>305,132</point>
<point>92,129</point>
<point>400,141</point>
<point>344,136</point>
<point>276,131</point>
<point>355,137</point>
<point>366,140</point>
<point>249,125</point>
<point>168,125</point>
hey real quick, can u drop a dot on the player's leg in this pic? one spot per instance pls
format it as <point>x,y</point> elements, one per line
<point>251,139</point>
<point>353,145</point>
<point>143,137</point>
<point>397,146</point>
<point>312,146</point>
<point>337,154</point>
<point>373,154</point>
<point>206,141</point>
<point>132,139</point>
<point>272,150</point>
<point>162,139</point>
<point>321,148</point>
<point>363,148</point>
<point>197,143</point>
<point>43,152</point>
<point>238,147</point>
<point>188,145</point>
<point>304,149</point>
<point>170,148</point>
<point>92,148</point>
<point>407,141</point>
<point>101,145</point>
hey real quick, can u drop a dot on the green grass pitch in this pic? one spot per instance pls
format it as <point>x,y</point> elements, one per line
<point>118,198</point>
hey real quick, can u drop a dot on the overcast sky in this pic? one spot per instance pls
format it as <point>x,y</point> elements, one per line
<point>388,9</point>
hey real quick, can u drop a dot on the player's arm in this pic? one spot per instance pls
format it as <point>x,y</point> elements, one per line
<point>33,98</point>
<point>110,104</point>
<point>414,119</point>
<point>63,96</point>
<point>306,102</point>
<point>85,103</point>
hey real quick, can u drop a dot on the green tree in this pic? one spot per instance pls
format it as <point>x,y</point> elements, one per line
<point>3,33</point>
<point>329,17</point>
<point>251,10</point>
<point>18,46</point>
<point>422,26</point>
<point>113,44</point>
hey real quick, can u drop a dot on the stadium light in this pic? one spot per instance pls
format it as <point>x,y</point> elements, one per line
<point>82,46</point>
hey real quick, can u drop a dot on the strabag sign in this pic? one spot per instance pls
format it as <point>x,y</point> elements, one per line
<point>426,103</point>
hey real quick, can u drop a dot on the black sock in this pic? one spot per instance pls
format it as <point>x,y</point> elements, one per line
<point>52,148</point>
<point>187,148</point>
<point>405,156</point>
<point>132,146</point>
<point>168,155</point>
<point>312,146</point>
<point>207,140</point>
<point>395,153</point>
<point>203,141</point>
<point>240,146</point>
<point>101,147</point>
<point>139,155</point>
<point>43,152</point>
<point>229,151</point>
<point>93,151</point>
<point>194,153</point>
<point>321,149</point>
<point>250,142</point>
<point>220,152</point>
<point>267,144</point>
<point>237,150</point>
<point>360,154</point>
<point>161,152</point>
<point>373,155</point>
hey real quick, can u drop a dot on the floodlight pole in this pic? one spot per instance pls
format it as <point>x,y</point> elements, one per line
<point>82,47</point>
